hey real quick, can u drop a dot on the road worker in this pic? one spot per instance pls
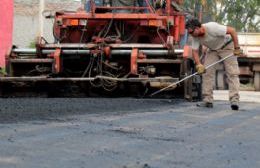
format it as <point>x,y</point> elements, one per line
<point>221,41</point>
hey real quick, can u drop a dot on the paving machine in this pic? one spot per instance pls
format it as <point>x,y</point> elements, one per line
<point>113,48</point>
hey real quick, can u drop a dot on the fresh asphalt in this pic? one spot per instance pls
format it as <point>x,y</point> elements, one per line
<point>127,133</point>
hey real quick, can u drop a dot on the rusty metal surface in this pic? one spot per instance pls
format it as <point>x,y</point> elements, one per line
<point>125,16</point>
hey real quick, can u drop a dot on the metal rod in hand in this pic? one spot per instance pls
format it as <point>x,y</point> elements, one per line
<point>187,77</point>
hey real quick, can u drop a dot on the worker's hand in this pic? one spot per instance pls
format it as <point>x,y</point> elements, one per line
<point>238,51</point>
<point>200,69</point>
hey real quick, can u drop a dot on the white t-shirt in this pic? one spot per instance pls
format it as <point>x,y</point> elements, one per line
<point>215,36</point>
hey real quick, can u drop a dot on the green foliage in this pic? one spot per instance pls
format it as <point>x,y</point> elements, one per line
<point>32,44</point>
<point>244,15</point>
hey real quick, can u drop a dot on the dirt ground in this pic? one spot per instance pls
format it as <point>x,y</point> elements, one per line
<point>127,133</point>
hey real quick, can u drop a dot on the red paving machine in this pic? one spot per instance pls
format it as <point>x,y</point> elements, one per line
<point>110,48</point>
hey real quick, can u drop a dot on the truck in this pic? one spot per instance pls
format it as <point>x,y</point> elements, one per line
<point>249,63</point>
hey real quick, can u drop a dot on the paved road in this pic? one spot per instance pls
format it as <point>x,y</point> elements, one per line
<point>245,96</point>
<point>127,133</point>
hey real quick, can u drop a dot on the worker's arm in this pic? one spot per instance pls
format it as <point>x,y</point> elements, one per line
<point>199,67</point>
<point>233,33</point>
<point>195,54</point>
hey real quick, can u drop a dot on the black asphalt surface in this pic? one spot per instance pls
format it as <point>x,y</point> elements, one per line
<point>127,133</point>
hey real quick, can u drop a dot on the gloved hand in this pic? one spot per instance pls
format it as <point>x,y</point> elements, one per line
<point>200,69</point>
<point>237,51</point>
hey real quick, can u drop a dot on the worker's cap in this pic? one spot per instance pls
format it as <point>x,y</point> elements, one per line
<point>192,24</point>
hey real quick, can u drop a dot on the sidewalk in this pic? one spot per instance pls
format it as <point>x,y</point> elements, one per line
<point>245,96</point>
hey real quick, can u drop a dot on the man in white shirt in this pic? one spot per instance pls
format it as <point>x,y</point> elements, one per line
<point>221,41</point>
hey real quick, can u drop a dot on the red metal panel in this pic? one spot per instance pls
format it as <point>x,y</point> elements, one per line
<point>134,61</point>
<point>177,29</point>
<point>6,29</point>
<point>182,25</point>
<point>57,60</point>
<point>187,51</point>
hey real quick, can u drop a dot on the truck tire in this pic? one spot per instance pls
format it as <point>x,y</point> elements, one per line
<point>257,81</point>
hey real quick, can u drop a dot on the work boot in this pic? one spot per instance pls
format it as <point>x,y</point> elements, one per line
<point>205,104</point>
<point>234,106</point>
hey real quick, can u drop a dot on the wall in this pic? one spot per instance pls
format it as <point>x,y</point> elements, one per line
<point>26,19</point>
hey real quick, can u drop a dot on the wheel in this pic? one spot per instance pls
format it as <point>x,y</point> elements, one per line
<point>257,81</point>
<point>197,88</point>
<point>192,86</point>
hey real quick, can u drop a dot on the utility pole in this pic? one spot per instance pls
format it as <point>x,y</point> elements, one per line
<point>41,18</point>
